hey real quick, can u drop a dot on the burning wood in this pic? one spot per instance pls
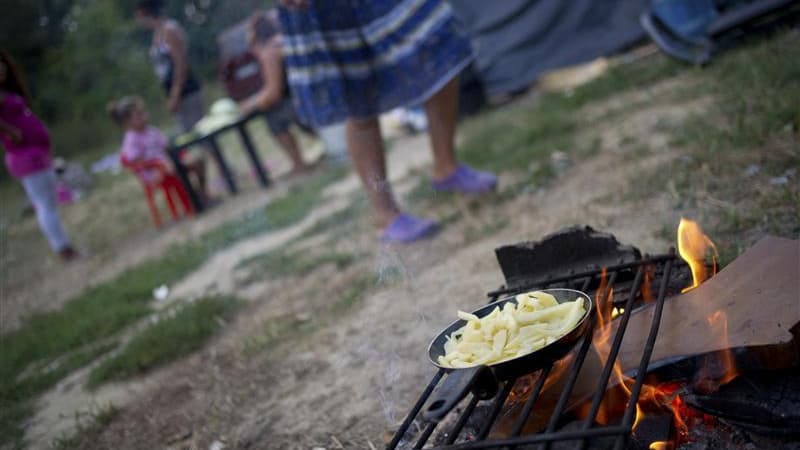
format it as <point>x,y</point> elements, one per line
<point>752,304</point>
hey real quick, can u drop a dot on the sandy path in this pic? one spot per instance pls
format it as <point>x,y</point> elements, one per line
<point>217,273</point>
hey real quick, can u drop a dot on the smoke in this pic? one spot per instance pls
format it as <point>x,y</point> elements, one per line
<point>387,369</point>
<point>391,364</point>
<point>389,267</point>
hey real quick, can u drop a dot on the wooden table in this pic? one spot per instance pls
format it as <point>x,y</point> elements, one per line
<point>210,143</point>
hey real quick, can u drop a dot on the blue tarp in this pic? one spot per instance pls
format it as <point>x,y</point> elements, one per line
<point>518,40</point>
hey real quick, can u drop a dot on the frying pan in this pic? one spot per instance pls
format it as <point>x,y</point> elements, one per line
<point>483,380</point>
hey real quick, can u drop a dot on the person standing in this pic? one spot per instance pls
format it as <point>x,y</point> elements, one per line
<point>263,37</point>
<point>28,155</point>
<point>168,54</point>
<point>351,60</point>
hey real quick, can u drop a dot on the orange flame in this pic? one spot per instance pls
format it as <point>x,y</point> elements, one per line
<point>718,323</point>
<point>677,407</point>
<point>665,397</point>
<point>651,398</point>
<point>639,412</point>
<point>604,298</point>
<point>694,246</point>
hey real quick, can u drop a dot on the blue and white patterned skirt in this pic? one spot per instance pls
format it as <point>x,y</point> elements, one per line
<point>359,58</point>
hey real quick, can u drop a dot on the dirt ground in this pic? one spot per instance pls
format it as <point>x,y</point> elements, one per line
<point>347,382</point>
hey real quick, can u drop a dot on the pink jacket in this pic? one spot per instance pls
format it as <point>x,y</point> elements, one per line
<point>33,153</point>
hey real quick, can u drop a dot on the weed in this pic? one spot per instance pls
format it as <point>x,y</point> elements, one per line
<point>14,392</point>
<point>88,428</point>
<point>282,262</point>
<point>354,293</point>
<point>513,139</point>
<point>750,123</point>
<point>177,333</point>
<point>281,329</point>
<point>339,223</point>
<point>280,213</point>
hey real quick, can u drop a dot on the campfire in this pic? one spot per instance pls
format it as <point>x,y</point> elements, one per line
<point>700,254</point>
<point>671,341</point>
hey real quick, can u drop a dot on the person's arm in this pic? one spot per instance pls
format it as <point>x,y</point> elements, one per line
<point>176,42</point>
<point>270,58</point>
<point>13,132</point>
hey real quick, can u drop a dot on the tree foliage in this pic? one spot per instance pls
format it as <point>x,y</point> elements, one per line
<point>80,54</point>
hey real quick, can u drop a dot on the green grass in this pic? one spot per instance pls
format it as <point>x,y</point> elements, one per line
<point>282,329</point>
<point>521,139</point>
<point>98,313</point>
<point>88,428</point>
<point>104,310</point>
<point>302,198</point>
<point>515,138</point>
<point>512,140</point>
<point>752,121</point>
<point>14,393</point>
<point>177,333</point>
<point>339,223</point>
<point>278,330</point>
<point>283,262</point>
<point>353,295</point>
<point>280,213</point>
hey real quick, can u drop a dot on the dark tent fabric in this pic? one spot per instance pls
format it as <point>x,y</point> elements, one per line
<point>518,40</point>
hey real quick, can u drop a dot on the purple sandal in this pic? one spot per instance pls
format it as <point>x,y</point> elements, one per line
<point>406,228</point>
<point>467,180</point>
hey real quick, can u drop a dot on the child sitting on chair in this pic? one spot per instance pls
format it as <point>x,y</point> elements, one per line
<point>145,143</point>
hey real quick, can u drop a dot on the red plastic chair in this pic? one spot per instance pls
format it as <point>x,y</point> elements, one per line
<point>166,181</point>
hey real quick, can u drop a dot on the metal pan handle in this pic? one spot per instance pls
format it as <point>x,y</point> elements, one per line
<point>479,379</point>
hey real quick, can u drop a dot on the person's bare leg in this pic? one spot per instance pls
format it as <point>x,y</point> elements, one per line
<point>365,144</point>
<point>442,110</point>
<point>289,145</point>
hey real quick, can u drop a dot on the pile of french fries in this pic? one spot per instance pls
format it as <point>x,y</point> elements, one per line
<point>516,329</point>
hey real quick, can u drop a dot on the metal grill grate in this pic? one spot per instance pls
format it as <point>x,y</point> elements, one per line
<point>626,280</point>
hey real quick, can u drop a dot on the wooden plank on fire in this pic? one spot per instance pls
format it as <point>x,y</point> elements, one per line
<point>758,295</point>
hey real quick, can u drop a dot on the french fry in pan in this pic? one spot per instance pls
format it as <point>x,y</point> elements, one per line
<point>516,329</point>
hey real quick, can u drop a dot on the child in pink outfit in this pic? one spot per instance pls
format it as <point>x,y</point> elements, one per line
<point>28,156</point>
<point>145,143</point>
